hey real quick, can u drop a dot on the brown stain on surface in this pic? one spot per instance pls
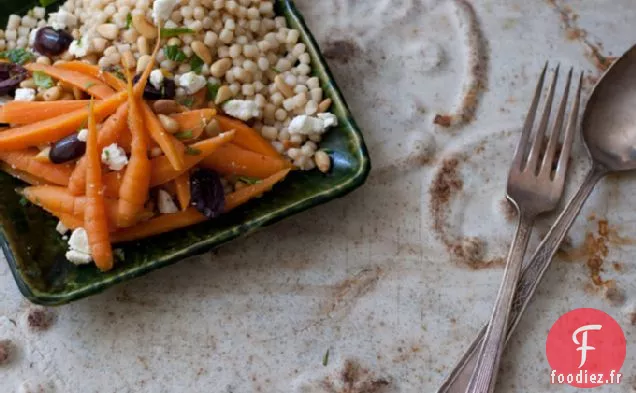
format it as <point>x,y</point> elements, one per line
<point>347,292</point>
<point>352,378</point>
<point>341,50</point>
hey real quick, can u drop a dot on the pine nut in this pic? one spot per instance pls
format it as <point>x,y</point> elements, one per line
<point>169,124</point>
<point>224,94</point>
<point>128,60</point>
<point>142,62</point>
<point>202,51</point>
<point>283,87</point>
<point>165,107</point>
<point>43,60</point>
<point>28,83</point>
<point>142,45</point>
<point>52,94</point>
<point>324,105</point>
<point>77,93</point>
<point>212,129</point>
<point>108,31</point>
<point>145,28</point>
<point>323,161</point>
<point>220,67</point>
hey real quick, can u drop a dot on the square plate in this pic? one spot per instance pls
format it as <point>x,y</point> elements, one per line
<point>35,251</point>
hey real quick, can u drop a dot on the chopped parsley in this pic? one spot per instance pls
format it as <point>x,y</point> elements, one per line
<point>213,89</point>
<point>24,201</point>
<point>191,151</point>
<point>196,64</point>
<point>249,180</point>
<point>325,358</point>
<point>117,71</point>
<point>183,134</point>
<point>188,101</point>
<point>42,80</point>
<point>276,70</point>
<point>128,20</point>
<point>167,33</point>
<point>46,3</point>
<point>18,55</point>
<point>106,154</point>
<point>174,53</point>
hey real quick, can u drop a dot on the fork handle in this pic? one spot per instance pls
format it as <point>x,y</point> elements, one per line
<point>485,376</point>
<point>459,378</point>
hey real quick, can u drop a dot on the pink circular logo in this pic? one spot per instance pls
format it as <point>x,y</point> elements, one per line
<point>586,348</point>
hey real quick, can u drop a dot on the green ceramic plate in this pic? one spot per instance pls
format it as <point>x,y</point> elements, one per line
<point>35,251</point>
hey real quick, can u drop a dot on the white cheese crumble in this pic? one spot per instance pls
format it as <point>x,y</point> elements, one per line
<point>306,125</point>
<point>79,250</point>
<point>79,48</point>
<point>24,94</point>
<point>191,82</point>
<point>156,78</point>
<point>32,35</point>
<point>114,157</point>
<point>62,20</point>
<point>162,9</point>
<point>61,228</point>
<point>166,203</point>
<point>82,135</point>
<point>241,109</point>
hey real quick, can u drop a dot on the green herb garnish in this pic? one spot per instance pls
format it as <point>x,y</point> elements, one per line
<point>276,70</point>
<point>213,89</point>
<point>24,201</point>
<point>115,70</point>
<point>128,20</point>
<point>188,101</point>
<point>191,151</point>
<point>42,80</point>
<point>248,180</point>
<point>183,134</point>
<point>89,85</point>
<point>46,3</point>
<point>106,154</point>
<point>167,33</point>
<point>196,64</point>
<point>325,359</point>
<point>174,53</point>
<point>18,55</point>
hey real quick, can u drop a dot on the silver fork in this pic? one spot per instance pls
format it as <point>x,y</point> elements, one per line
<point>534,187</point>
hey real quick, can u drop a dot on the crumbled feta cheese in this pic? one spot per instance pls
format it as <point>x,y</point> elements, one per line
<point>79,48</point>
<point>61,228</point>
<point>162,9</point>
<point>24,94</point>
<point>241,109</point>
<point>114,157</point>
<point>305,125</point>
<point>156,78</point>
<point>62,20</point>
<point>166,203</point>
<point>191,82</point>
<point>82,134</point>
<point>329,119</point>
<point>79,250</point>
<point>32,35</point>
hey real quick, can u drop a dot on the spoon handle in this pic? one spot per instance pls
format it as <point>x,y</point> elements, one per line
<point>458,380</point>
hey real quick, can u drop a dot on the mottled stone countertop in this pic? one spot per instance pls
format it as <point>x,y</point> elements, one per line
<point>394,280</point>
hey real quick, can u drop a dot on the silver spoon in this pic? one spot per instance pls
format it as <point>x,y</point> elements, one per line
<point>609,134</point>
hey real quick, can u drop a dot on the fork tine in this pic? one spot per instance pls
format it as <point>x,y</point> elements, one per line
<point>520,151</point>
<point>537,144</point>
<point>570,130</point>
<point>555,135</point>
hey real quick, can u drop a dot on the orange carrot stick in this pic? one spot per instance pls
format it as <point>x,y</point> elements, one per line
<point>194,121</point>
<point>247,137</point>
<point>21,175</point>
<point>109,133</point>
<point>51,130</point>
<point>24,160</point>
<point>70,221</point>
<point>133,191</point>
<point>27,112</point>
<point>57,199</point>
<point>94,71</point>
<point>89,84</point>
<point>182,186</point>
<point>169,222</point>
<point>163,171</point>
<point>231,159</point>
<point>95,216</point>
<point>166,141</point>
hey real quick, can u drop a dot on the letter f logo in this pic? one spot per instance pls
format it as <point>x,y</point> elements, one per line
<point>584,347</point>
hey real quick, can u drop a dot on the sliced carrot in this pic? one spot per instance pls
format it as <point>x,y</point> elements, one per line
<point>57,199</point>
<point>95,216</point>
<point>163,171</point>
<point>27,112</point>
<point>21,175</point>
<point>109,133</point>
<point>89,84</point>
<point>193,122</point>
<point>247,137</point>
<point>169,222</point>
<point>133,191</point>
<point>94,71</point>
<point>182,188</point>
<point>24,160</point>
<point>51,130</point>
<point>231,159</point>
<point>166,141</point>
<point>70,221</point>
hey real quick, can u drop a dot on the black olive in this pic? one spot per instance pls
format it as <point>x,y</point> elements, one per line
<point>167,91</point>
<point>207,194</point>
<point>51,42</point>
<point>10,77</point>
<point>67,149</point>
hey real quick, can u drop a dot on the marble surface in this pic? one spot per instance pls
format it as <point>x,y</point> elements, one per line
<point>394,280</point>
